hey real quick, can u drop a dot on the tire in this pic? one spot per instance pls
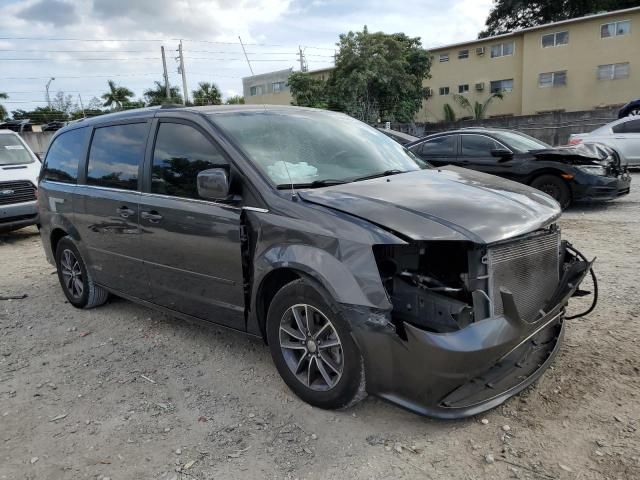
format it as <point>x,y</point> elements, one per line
<point>333,364</point>
<point>75,279</point>
<point>554,186</point>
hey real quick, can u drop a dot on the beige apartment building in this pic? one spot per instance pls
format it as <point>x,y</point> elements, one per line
<point>578,64</point>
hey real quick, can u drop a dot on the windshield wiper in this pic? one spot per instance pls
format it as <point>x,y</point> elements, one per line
<point>315,184</point>
<point>386,173</point>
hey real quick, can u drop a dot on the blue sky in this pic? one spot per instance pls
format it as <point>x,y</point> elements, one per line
<point>121,39</point>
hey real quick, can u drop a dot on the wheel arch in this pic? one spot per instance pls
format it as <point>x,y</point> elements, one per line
<point>551,171</point>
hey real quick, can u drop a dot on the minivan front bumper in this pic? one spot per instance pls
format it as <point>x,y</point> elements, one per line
<point>463,373</point>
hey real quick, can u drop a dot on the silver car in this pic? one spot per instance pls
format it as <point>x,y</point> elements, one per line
<point>622,135</point>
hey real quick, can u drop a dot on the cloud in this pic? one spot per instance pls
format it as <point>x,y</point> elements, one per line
<point>55,12</point>
<point>209,29</point>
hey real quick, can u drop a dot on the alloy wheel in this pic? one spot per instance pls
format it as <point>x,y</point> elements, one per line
<point>72,273</point>
<point>311,347</point>
<point>635,112</point>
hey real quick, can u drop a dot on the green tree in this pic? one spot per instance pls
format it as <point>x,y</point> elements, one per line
<point>509,15</point>
<point>40,115</point>
<point>307,91</point>
<point>116,96</point>
<point>449,113</point>
<point>158,94</point>
<point>477,110</point>
<point>3,111</point>
<point>379,75</point>
<point>63,103</point>
<point>207,94</point>
<point>235,100</point>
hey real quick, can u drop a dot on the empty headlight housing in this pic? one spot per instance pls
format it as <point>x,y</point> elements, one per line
<point>593,169</point>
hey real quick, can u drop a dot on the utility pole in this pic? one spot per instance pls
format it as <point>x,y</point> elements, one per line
<point>245,54</point>
<point>81,106</point>
<point>185,93</point>
<point>47,88</point>
<point>166,75</point>
<point>303,62</point>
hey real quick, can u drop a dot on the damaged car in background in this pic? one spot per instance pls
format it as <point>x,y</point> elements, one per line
<point>364,269</point>
<point>582,173</point>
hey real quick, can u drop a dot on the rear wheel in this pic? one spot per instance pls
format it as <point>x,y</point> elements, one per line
<point>312,348</point>
<point>555,187</point>
<point>75,279</point>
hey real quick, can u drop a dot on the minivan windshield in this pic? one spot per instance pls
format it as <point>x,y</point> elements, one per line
<point>314,149</point>
<point>521,142</point>
<point>12,151</point>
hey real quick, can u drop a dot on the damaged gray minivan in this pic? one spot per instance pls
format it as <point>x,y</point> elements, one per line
<point>363,268</point>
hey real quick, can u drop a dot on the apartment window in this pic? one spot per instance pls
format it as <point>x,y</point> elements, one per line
<point>444,57</point>
<point>555,39</point>
<point>502,50</point>
<point>257,90</point>
<point>278,86</point>
<point>444,90</point>
<point>463,54</point>
<point>613,71</point>
<point>500,86</point>
<point>463,88</point>
<point>615,29</point>
<point>552,79</point>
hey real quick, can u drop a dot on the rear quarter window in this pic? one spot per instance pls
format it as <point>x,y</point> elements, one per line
<point>64,155</point>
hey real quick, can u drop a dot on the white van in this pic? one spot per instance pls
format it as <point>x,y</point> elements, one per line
<point>19,170</point>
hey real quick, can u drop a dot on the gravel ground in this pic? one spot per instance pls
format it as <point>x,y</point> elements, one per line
<point>123,392</point>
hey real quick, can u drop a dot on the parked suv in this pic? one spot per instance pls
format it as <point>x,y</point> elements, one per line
<point>589,172</point>
<point>19,169</point>
<point>364,269</point>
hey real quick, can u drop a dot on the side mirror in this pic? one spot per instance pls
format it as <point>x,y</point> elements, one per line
<point>213,184</point>
<point>501,153</point>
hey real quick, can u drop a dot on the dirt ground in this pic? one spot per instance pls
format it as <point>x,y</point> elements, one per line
<point>122,392</point>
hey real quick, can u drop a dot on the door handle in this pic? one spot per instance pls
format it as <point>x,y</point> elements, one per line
<point>125,212</point>
<point>152,216</point>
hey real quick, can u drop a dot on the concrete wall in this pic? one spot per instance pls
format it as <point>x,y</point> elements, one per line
<point>553,128</point>
<point>37,141</point>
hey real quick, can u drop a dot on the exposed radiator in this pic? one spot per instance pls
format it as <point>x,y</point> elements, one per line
<point>528,268</point>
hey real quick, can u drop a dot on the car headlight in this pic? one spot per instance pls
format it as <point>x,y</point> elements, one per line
<point>593,169</point>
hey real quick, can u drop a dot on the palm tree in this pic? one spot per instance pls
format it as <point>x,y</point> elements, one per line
<point>3,111</point>
<point>116,96</point>
<point>207,94</point>
<point>477,110</point>
<point>449,114</point>
<point>158,94</point>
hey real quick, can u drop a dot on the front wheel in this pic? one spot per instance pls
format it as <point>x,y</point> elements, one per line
<point>312,347</point>
<point>555,187</point>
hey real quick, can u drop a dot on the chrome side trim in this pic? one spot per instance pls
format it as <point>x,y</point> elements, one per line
<point>191,200</point>
<point>256,209</point>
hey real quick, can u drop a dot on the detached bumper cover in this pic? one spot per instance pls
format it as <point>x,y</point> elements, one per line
<point>463,373</point>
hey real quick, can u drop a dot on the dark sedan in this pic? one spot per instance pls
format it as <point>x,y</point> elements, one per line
<point>585,172</point>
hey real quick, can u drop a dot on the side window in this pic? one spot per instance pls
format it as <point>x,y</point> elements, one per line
<point>478,145</point>
<point>66,151</point>
<point>440,146</point>
<point>180,153</point>
<point>116,151</point>
<point>632,126</point>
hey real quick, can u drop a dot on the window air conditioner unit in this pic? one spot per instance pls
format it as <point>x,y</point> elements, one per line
<point>480,86</point>
<point>480,51</point>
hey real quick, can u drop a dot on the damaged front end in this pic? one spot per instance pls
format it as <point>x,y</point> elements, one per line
<point>471,325</point>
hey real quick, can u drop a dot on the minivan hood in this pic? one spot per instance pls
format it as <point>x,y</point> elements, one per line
<point>450,203</point>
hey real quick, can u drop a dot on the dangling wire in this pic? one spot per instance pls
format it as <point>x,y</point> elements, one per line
<point>595,286</point>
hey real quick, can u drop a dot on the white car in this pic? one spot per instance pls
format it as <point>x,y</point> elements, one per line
<point>19,170</point>
<point>622,135</point>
